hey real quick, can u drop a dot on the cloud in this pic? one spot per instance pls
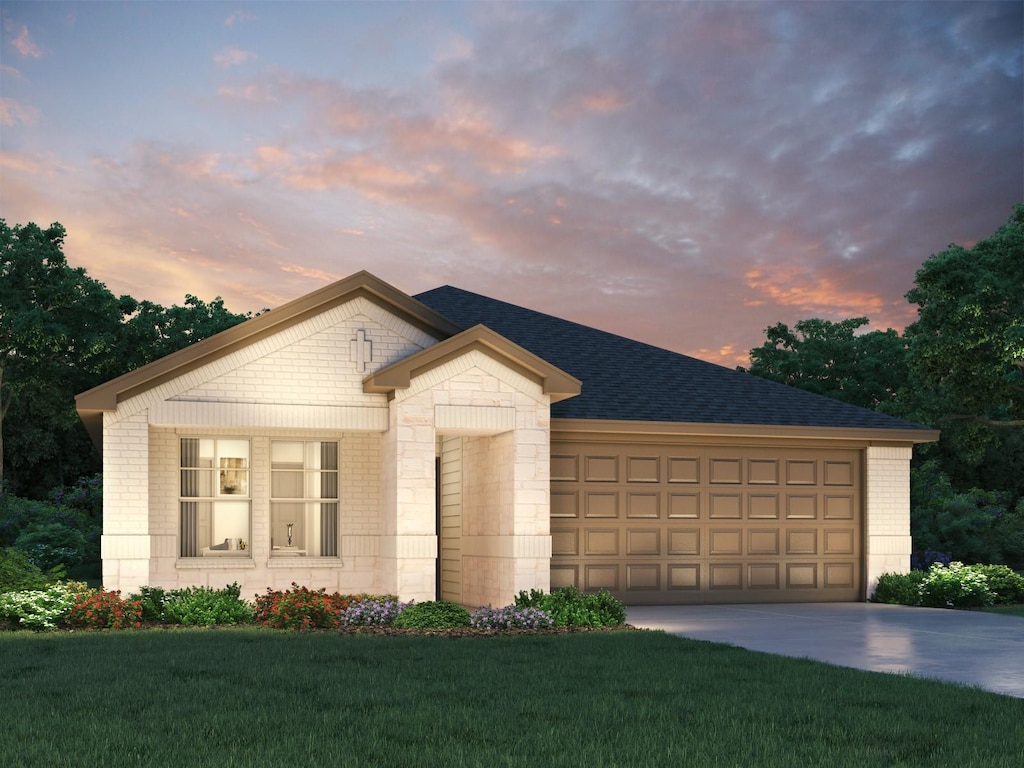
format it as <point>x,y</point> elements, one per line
<point>233,57</point>
<point>14,113</point>
<point>22,42</point>
<point>238,17</point>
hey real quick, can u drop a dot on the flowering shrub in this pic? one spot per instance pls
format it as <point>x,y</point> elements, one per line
<point>1006,584</point>
<point>955,586</point>
<point>299,608</point>
<point>105,610</point>
<point>372,612</point>
<point>40,609</point>
<point>510,617</point>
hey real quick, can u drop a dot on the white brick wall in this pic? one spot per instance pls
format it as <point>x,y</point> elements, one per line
<point>888,543</point>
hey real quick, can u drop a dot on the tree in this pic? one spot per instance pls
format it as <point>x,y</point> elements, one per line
<point>830,358</point>
<point>61,333</point>
<point>58,330</point>
<point>966,349</point>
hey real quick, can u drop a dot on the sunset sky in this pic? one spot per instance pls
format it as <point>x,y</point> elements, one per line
<point>681,173</point>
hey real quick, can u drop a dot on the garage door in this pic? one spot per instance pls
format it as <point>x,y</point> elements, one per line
<point>669,524</point>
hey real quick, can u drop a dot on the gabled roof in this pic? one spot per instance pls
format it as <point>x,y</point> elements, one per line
<point>554,382</point>
<point>105,397</point>
<point>626,380</point>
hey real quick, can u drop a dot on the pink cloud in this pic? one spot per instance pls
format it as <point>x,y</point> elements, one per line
<point>25,46</point>
<point>233,57</point>
<point>14,113</point>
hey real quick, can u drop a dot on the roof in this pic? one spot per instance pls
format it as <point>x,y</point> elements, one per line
<point>627,380</point>
<point>553,382</point>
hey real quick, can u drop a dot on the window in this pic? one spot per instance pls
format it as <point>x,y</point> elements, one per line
<point>214,502</point>
<point>303,499</point>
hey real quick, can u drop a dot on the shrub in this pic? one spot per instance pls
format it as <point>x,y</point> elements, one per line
<point>955,586</point>
<point>1007,585</point>
<point>434,614</point>
<point>568,607</point>
<point>899,588</point>
<point>205,606</point>
<point>154,603</point>
<point>104,610</point>
<point>49,533</point>
<point>299,608</point>
<point>510,617</point>
<point>371,612</point>
<point>40,609</point>
<point>18,573</point>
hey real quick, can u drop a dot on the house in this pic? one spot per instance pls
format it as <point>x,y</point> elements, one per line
<point>452,445</point>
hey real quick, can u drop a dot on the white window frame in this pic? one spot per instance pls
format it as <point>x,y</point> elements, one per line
<point>305,501</point>
<point>214,497</point>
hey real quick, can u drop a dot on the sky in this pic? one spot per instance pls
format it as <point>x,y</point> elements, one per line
<point>682,173</point>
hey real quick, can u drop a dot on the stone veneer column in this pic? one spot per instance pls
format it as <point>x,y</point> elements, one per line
<point>125,544</point>
<point>887,536</point>
<point>409,545</point>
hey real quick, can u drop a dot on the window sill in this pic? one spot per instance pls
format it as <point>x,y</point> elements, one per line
<point>214,563</point>
<point>304,562</point>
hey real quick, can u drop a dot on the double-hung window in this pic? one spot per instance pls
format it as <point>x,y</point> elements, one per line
<point>214,501</point>
<point>303,498</point>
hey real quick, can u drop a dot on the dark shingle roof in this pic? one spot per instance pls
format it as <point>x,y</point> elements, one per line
<point>632,381</point>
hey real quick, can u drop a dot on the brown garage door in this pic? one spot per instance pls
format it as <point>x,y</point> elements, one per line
<point>668,524</point>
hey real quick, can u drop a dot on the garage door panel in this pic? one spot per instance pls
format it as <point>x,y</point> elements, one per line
<point>643,469</point>
<point>601,504</point>
<point>600,542</point>
<point>565,504</point>
<point>565,542</point>
<point>602,469</point>
<point>643,577</point>
<point>839,507</point>
<point>763,576</point>
<point>565,467</point>
<point>683,469</point>
<point>726,541</point>
<point>725,471</point>
<point>643,505</point>
<point>838,472</point>
<point>802,541</point>
<point>839,542</point>
<point>763,506</point>
<point>801,576</point>
<point>725,576</point>
<point>564,576</point>
<point>763,541</point>
<point>726,506</point>
<point>801,507</point>
<point>684,541</point>
<point>600,576</point>
<point>662,523</point>
<point>683,577</point>
<point>763,471</point>
<point>643,541</point>
<point>683,505</point>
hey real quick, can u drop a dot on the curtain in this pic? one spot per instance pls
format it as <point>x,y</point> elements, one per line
<point>329,490</point>
<point>188,534</point>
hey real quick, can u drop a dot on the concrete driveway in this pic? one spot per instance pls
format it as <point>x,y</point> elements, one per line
<point>981,649</point>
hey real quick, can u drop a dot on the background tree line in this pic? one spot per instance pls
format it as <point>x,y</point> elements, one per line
<point>958,368</point>
<point>61,333</point>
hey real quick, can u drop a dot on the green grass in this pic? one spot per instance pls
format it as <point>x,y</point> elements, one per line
<point>254,697</point>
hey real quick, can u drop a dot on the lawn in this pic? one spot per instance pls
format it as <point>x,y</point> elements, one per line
<point>254,697</point>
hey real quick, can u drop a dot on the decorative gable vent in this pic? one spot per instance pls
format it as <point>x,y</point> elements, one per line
<point>361,350</point>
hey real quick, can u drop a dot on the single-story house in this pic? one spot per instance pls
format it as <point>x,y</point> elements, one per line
<point>449,445</point>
